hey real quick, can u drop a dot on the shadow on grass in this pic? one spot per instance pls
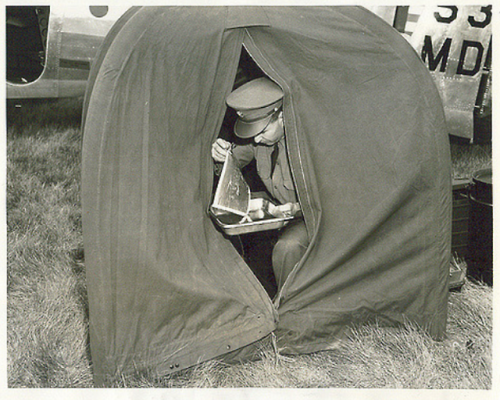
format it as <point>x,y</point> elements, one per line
<point>42,116</point>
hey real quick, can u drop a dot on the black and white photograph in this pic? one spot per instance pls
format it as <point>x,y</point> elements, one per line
<point>282,200</point>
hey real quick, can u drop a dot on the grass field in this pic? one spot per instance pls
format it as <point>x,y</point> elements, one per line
<point>47,307</point>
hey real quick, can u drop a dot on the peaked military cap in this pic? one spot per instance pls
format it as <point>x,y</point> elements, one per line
<point>255,103</point>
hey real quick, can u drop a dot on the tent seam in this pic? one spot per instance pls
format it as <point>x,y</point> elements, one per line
<point>294,115</point>
<point>304,180</point>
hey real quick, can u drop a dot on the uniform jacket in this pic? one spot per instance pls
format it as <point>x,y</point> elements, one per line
<point>280,185</point>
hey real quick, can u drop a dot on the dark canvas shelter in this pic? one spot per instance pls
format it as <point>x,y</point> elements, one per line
<point>369,153</point>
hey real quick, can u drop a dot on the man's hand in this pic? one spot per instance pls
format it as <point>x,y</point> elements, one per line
<point>288,209</point>
<point>219,149</point>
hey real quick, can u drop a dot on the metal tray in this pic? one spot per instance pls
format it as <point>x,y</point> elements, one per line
<point>263,220</point>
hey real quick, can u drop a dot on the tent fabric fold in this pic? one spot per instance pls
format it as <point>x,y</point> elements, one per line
<point>369,154</point>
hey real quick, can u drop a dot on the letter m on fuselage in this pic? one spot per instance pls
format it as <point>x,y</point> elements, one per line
<point>440,58</point>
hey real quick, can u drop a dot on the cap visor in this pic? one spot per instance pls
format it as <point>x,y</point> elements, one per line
<point>247,130</point>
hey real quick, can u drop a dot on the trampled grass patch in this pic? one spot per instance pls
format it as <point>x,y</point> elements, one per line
<point>47,301</point>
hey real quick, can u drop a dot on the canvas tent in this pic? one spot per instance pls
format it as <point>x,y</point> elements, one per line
<point>369,154</point>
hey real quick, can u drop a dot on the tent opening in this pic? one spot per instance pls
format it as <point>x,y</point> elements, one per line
<point>256,247</point>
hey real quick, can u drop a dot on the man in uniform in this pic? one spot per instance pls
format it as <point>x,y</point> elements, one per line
<point>258,105</point>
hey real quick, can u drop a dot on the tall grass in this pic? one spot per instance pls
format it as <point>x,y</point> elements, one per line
<point>467,159</point>
<point>47,302</point>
